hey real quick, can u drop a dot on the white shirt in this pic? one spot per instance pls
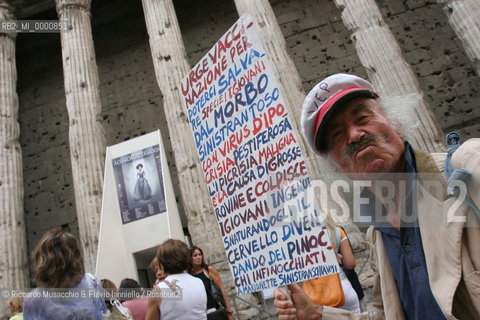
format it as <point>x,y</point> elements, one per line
<point>192,301</point>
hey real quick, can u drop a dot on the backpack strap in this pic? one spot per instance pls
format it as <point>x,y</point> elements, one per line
<point>453,142</point>
<point>215,291</point>
<point>335,238</point>
<point>97,285</point>
<point>453,176</point>
<point>338,236</point>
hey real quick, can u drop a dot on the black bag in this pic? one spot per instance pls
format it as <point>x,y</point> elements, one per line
<point>219,314</point>
<point>353,278</point>
<point>217,294</point>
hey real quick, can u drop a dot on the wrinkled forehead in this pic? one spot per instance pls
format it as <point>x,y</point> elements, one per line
<point>352,108</point>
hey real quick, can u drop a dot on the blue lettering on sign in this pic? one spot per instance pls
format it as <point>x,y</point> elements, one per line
<point>204,98</point>
<point>250,57</point>
<point>244,253</point>
<point>209,144</point>
<point>262,225</point>
<point>276,255</point>
<point>301,275</point>
<point>289,192</point>
<point>243,287</point>
<point>241,119</point>
<point>246,97</point>
<point>225,80</point>
<point>205,132</point>
<point>231,222</point>
<point>242,280</point>
<point>295,228</point>
<point>306,244</point>
<point>262,138</point>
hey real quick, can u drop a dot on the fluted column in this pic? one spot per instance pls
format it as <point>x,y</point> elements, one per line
<point>170,63</point>
<point>86,133</point>
<point>464,17</point>
<point>386,66</point>
<point>13,257</point>
<point>284,68</point>
<point>291,86</point>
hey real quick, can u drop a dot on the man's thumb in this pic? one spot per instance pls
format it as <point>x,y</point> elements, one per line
<point>294,288</point>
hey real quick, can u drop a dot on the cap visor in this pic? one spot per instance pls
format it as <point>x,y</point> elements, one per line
<point>320,137</point>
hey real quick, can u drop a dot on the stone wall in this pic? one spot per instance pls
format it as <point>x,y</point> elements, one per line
<point>131,100</point>
<point>202,23</point>
<point>49,199</point>
<point>446,75</point>
<point>317,39</point>
<point>321,45</point>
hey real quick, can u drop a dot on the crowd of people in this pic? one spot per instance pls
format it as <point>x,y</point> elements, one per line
<point>58,265</point>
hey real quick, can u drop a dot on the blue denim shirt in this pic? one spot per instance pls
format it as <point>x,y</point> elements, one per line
<point>38,307</point>
<point>405,251</point>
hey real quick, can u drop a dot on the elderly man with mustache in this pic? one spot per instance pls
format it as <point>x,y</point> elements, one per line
<point>426,268</point>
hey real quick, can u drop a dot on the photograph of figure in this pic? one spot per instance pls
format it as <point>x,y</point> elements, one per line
<point>139,180</point>
<point>142,189</point>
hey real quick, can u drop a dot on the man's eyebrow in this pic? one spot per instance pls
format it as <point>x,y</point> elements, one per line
<point>357,109</point>
<point>360,107</point>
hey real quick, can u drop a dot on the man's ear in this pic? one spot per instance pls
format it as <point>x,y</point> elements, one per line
<point>399,129</point>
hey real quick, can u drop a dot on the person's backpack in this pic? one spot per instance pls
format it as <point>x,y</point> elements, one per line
<point>326,290</point>
<point>453,176</point>
<point>119,312</point>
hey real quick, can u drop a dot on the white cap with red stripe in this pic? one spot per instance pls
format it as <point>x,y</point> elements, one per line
<point>323,99</point>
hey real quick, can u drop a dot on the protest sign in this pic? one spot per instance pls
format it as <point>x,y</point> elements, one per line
<point>253,166</point>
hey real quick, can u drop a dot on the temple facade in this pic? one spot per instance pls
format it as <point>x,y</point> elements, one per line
<point>114,75</point>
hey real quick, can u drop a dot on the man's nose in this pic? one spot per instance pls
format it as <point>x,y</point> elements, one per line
<point>355,133</point>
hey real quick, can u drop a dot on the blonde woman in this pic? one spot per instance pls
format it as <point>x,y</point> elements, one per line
<point>174,256</point>
<point>58,264</point>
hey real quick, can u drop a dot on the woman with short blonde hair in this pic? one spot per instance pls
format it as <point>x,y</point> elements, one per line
<point>58,264</point>
<point>191,304</point>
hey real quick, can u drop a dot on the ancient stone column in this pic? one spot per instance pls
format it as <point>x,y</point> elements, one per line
<point>283,67</point>
<point>386,66</point>
<point>464,17</point>
<point>86,133</point>
<point>170,63</point>
<point>291,86</point>
<point>13,257</point>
